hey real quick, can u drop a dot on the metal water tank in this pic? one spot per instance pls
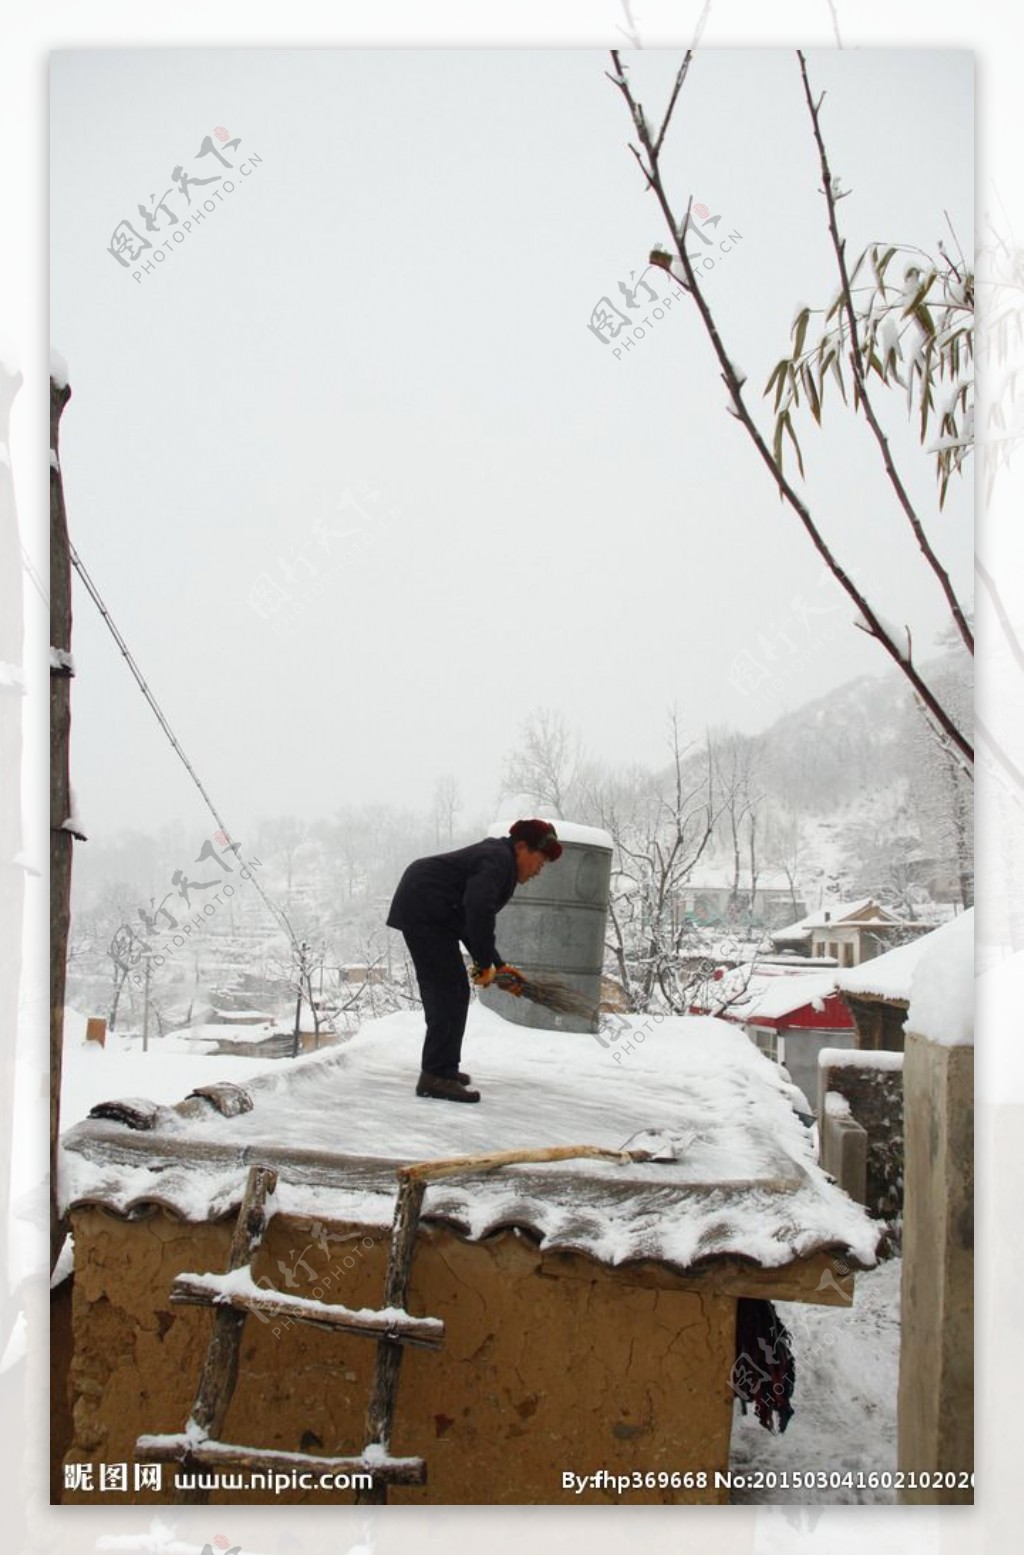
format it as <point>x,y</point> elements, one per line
<point>556,924</point>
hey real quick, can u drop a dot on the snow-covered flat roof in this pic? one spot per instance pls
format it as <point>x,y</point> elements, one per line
<point>336,1126</point>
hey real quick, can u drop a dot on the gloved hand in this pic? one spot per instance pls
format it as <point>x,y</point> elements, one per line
<point>482,976</point>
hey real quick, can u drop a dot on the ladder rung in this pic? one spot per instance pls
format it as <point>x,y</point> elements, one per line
<point>176,1448</point>
<point>219,1291</point>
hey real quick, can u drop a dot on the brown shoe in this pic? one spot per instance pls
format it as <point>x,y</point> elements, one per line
<point>444,1090</point>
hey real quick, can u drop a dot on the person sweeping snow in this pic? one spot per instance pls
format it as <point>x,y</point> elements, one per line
<point>453,899</point>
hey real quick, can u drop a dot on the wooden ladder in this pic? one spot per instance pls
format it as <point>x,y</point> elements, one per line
<point>199,1445</point>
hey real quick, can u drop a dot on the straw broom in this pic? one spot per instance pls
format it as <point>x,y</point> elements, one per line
<point>551,993</point>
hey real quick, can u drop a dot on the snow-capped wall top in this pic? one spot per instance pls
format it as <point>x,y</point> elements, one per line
<point>336,1125</point>
<point>942,987</point>
<point>58,369</point>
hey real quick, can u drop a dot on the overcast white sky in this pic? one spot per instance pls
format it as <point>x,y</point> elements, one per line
<point>396,300</point>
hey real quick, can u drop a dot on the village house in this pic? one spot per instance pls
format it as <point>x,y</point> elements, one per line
<point>850,932</point>
<point>589,1304</point>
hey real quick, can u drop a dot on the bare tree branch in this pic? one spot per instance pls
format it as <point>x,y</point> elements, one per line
<point>862,398</point>
<point>734,384</point>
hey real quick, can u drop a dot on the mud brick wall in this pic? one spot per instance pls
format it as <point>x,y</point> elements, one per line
<point>551,1363</point>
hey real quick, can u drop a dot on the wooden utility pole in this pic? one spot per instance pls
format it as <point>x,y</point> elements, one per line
<point>61,841</point>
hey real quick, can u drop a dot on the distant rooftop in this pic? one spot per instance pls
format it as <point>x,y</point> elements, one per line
<point>866,911</point>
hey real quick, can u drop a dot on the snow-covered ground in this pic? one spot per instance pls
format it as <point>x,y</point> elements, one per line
<point>844,1421</point>
<point>166,1073</point>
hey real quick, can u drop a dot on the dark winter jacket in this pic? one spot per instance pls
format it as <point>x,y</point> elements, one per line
<point>459,893</point>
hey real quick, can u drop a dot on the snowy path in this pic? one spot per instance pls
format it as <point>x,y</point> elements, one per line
<point>847,1371</point>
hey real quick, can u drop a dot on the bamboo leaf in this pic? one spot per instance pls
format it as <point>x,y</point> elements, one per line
<point>796,446</point>
<point>776,380</point>
<point>926,406</point>
<point>837,373</point>
<point>919,296</point>
<point>812,395</point>
<point>787,381</point>
<point>924,318</point>
<point>800,331</point>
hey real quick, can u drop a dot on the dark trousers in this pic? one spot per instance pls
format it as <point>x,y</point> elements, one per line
<point>444,989</point>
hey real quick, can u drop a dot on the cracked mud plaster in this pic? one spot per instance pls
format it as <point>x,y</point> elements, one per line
<point>550,1363</point>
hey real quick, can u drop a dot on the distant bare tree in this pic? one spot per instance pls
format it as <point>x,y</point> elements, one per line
<point>545,764</point>
<point>447,803</point>
<point>784,850</point>
<point>941,794</point>
<point>660,831</point>
<point>740,800</point>
<point>282,837</point>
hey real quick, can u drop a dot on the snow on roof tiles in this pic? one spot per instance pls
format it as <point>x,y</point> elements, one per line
<point>769,992</point>
<point>781,996</point>
<point>337,1125</point>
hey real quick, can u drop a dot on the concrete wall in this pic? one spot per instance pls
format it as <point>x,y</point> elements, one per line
<point>843,1149</point>
<point>936,1387</point>
<point>551,1362</point>
<point>801,1056</point>
<point>875,1099</point>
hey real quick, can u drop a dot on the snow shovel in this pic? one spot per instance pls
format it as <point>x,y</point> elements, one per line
<point>657,1145</point>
